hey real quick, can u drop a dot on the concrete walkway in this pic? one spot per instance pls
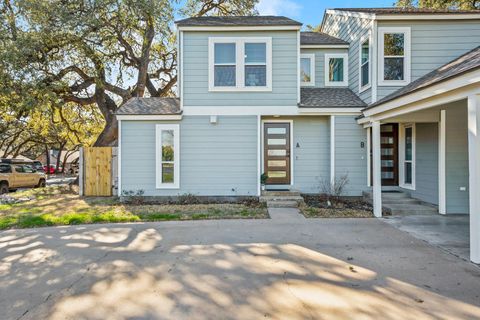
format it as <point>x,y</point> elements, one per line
<point>232,269</point>
<point>285,214</point>
<point>450,232</point>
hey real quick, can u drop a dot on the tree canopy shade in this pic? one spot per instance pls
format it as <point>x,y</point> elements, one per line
<point>440,4</point>
<point>93,53</point>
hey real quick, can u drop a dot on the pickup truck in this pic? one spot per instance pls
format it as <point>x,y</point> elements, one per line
<point>17,175</point>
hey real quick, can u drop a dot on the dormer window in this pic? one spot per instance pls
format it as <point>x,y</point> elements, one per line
<point>394,56</point>
<point>307,69</point>
<point>240,64</point>
<point>336,70</point>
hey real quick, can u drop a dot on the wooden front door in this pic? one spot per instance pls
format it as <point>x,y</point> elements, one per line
<point>276,157</point>
<point>388,154</point>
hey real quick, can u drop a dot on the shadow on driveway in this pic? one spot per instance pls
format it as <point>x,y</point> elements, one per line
<point>247,269</point>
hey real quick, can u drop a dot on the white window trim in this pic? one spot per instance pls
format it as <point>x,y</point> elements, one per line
<point>367,37</point>
<point>343,83</point>
<point>310,56</point>
<point>158,156</point>
<point>407,56</point>
<point>402,161</point>
<point>240,63</point>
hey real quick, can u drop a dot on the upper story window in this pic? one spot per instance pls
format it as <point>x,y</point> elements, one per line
<point>336,70</point>
<point>240,64</point>
<point>364,64</point>
<point>307,69</point>
<point>394,56</point>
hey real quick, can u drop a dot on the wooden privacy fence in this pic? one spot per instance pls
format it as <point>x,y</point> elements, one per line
<point>96,171</point>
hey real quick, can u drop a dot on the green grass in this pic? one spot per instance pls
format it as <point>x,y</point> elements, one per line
<point>53,206</point>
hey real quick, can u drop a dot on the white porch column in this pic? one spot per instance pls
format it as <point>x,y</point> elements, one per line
<point>442,171</point>
<point>474,175</point>
<point>332,152</point>
<point>377,170</point>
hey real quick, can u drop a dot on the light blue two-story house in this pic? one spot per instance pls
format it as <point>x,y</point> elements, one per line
<point>388,97</point>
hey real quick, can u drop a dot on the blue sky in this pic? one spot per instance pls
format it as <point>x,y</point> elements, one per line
<point>311,11</point>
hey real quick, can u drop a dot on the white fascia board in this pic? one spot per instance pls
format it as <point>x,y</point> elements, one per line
<point>423,16</point>
<point>149,117</point>
<point>351,111</point>
<point>266,111</point>
<point>426,16</point>
<point>440,89</point>
<point>324,46</point>
<point>240,28</point>
<point>362,15</point>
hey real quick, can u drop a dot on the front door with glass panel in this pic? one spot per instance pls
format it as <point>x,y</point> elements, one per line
<point>277,152</point>
<point>389,154</point>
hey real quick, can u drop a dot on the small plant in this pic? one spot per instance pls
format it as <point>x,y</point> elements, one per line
<point>263,178</point>
<point>134,197</point>
<point>188,198</point>
<point>333,190</point>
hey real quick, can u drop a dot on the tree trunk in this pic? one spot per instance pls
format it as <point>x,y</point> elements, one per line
<point>47,154</point>
<point>109,135</point>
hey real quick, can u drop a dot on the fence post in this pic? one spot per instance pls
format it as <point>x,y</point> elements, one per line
<point>81,179</point>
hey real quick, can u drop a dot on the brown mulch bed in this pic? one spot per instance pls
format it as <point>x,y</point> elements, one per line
<point>319,206</point>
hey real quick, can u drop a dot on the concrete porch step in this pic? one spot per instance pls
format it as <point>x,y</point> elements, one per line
<point>410,209</point>
<point>388,195</point>
<point>282,204</point>
<point>280,198</point>
<point>280,193</point>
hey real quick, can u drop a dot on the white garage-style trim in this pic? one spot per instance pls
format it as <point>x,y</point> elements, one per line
<point>474,174</point>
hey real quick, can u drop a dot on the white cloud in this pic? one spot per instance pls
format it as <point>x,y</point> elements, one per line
<point>278,7</point>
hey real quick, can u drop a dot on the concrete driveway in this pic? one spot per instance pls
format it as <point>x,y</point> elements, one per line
<point>235,269</point>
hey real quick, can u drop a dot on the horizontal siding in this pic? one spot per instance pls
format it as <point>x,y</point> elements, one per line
<point>284,72</point>
<point>435,43</point>
<point>426,166</point>
<point>351,29</point>
<point>457,157</point>
<point>311,153</point>
<point>215,160</point>
<point>320,63</point>
<point>350,157</point>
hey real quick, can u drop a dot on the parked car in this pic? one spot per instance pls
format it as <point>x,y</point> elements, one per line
<point>37,165</point>
<point>14,175</point>
<point>50,170</point>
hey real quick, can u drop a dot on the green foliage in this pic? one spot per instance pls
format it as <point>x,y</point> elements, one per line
<point>440,4</point>
<point>61,57</point>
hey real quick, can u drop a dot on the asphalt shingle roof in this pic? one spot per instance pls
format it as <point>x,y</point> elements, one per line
<point>233,21</point>
<point>399,10</point>
<point>316,38</point>
<point>457,67</point>
<point>150,106</point>
<point>329,98</point>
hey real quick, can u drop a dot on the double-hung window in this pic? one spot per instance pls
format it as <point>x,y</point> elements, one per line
<point>394,57</point>
<point>240,64</point>
<point>336,70</point>
<point>167,156</point>
<point>307,69</point>
<point>364,64</point>
<point>407,156</point>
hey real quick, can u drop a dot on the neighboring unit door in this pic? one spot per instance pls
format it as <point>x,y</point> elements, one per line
<point>388,154</point>
<point>277,152</point>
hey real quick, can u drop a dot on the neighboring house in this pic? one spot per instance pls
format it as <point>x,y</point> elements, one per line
<point>69,157</point>
<point>387,96</point>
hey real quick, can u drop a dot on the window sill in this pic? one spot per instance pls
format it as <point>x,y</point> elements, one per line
<point>246,89</point>
<point>307,84</point>
<point>392,83</point>
<point>336,84</point>
<point>168,186</point>
<point>364,88</point>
